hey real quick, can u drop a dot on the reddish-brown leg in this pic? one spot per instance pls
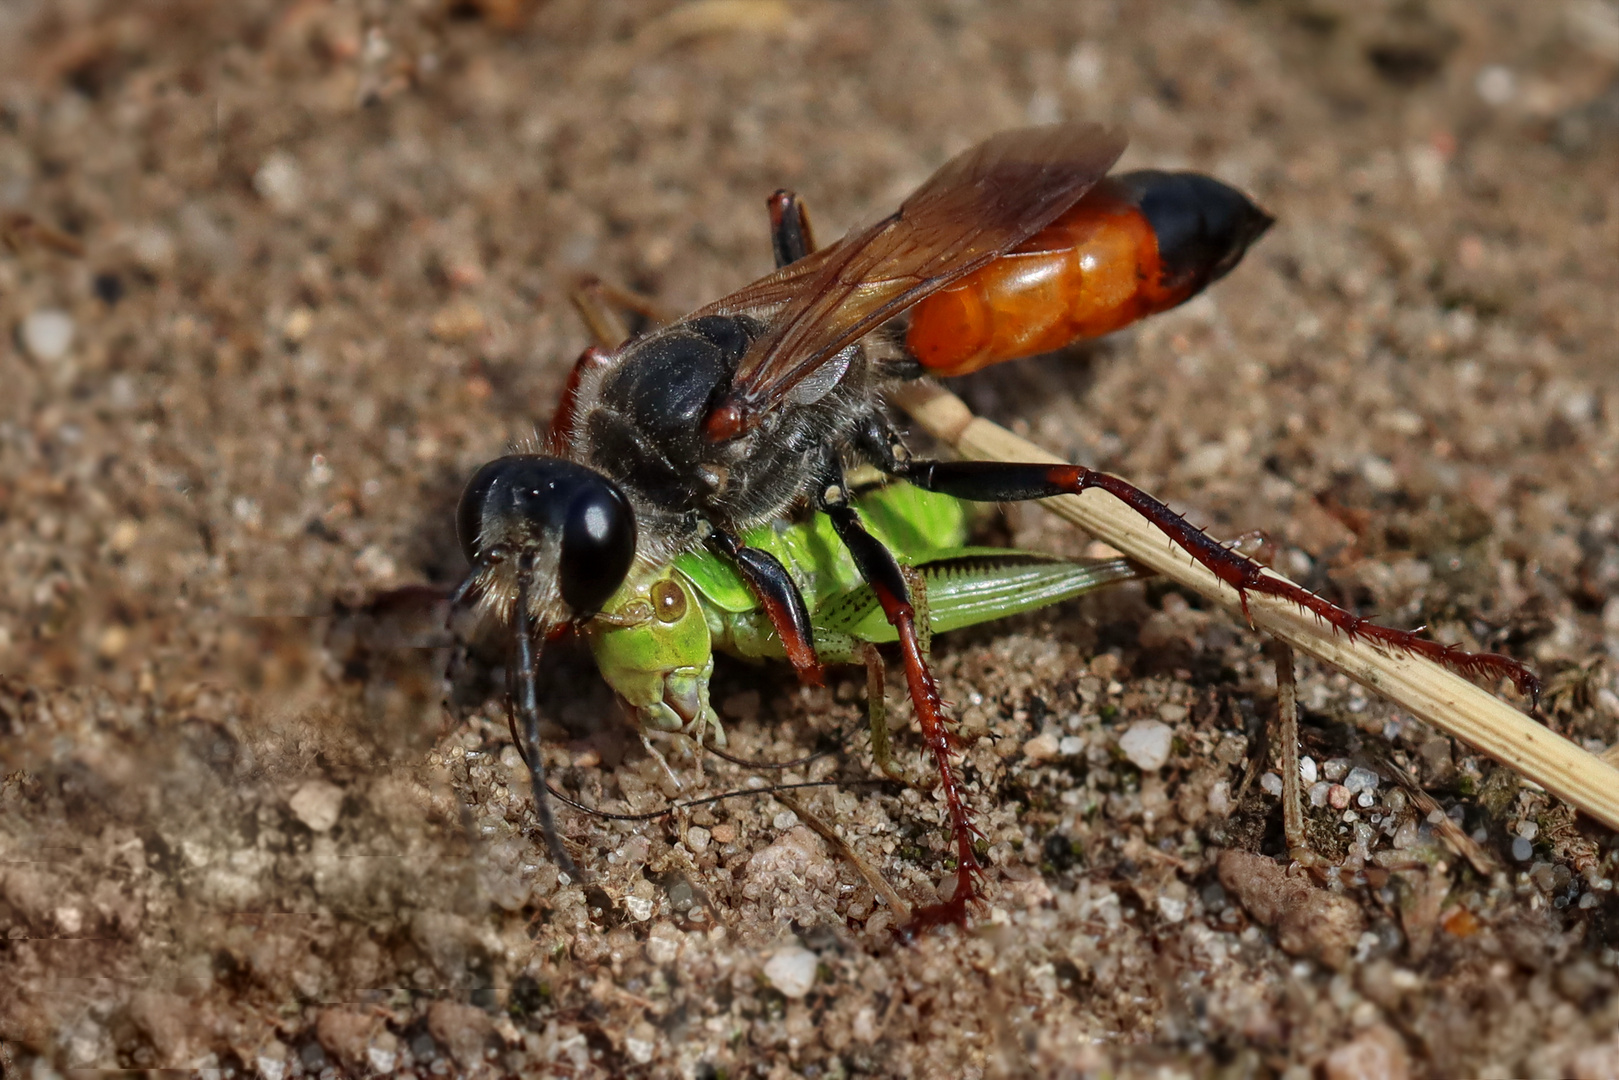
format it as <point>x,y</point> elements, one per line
<point>993,481</point>
<point>556,440</point>
<point>880,570</point>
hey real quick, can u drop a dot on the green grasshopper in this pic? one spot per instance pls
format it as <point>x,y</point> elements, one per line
<point>654,641</point>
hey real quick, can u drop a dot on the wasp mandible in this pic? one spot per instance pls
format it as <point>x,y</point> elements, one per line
<point>689,436</point>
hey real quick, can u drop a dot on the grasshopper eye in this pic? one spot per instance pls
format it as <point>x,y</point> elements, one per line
<point>668,601</point>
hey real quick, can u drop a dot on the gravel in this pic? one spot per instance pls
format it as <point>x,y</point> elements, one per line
<point>1147,744</point>
<point>47,334</point>
<point>792,970</point>
<point>317,269</point>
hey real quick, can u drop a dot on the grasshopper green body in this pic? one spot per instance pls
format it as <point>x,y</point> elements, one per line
<point>655,640</point>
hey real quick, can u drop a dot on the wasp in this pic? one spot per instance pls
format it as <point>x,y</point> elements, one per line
<point>688,439</point>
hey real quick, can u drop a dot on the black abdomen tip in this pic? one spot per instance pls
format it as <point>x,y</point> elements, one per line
<point>1203,226</point>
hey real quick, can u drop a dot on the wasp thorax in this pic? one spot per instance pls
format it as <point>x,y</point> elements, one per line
<point>570,524</point>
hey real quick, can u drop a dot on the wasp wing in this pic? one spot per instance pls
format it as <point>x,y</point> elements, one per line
<point>979,205</point>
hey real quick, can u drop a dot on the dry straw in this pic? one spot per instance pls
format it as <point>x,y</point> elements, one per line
<point>1428,691</point>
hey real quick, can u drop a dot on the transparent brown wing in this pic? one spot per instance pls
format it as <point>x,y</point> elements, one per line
<point>979,205</point>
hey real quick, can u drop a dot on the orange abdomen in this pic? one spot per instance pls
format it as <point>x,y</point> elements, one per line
<point>1095,269</point>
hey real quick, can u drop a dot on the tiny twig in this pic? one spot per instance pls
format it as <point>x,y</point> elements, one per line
<point>1417,685</point>
<point>1448,830</point>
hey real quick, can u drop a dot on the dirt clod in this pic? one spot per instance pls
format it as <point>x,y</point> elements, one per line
<point>1309,921</point>
<point>463,1030</point>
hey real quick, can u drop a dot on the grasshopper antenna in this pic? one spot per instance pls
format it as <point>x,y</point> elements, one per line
<point>652,815</point>
<point>842,745</point>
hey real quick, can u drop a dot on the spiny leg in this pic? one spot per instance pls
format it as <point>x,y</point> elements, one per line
<point>994,481</point>
<point>879,569</point>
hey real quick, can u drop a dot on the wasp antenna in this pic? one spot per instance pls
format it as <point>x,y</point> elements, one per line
<point>525,700</point>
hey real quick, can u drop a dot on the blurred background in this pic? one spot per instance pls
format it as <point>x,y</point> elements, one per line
<point>276,278</point>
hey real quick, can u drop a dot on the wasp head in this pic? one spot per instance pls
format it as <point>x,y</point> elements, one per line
<point>556,534</point>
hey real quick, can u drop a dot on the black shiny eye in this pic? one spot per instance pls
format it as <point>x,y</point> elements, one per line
<point>526,502</point>
<point>598,545</point>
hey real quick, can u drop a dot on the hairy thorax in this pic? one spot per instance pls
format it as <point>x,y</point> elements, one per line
<point>643,429</point>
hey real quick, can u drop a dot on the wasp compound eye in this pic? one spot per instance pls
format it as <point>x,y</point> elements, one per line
<point>530,502</point>
<point>598,545</point>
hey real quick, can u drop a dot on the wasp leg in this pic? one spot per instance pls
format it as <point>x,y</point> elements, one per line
<point>879,569</point>
<point>995,481</point>
<point>783,604</point>
<point>556,440</point>
<point>599,304</point>
<point>790,235</point>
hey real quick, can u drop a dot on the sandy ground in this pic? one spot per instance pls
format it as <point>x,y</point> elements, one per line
<point>289,273</point>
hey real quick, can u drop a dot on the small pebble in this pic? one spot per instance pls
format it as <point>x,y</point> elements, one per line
<point>1496,85</point>
<point>1365,798</point>
<point>1541,874</point>
<point>280,182</point>
<point>640,1051</point>
<point>1375,1054</point>
<point>1335,769</point>
<point>47,334</point>
<point>1338,796</point>
<point>1272,784</point>
<point>663,944</point>
<point>792,970</point>
<point>1171,909</point>
<point>1528,830</point>
<point>1380,474</point>
<point>1522,849</point>
<point>784,820</point>
<point>1041,747</point>
<point>317,804</point>
<point>697,838</point>
<point>1307,770</point>
<point>1070,746</point>
<point>1147,743</point>
<point>1318,793</point>
<point>1360,779</point>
